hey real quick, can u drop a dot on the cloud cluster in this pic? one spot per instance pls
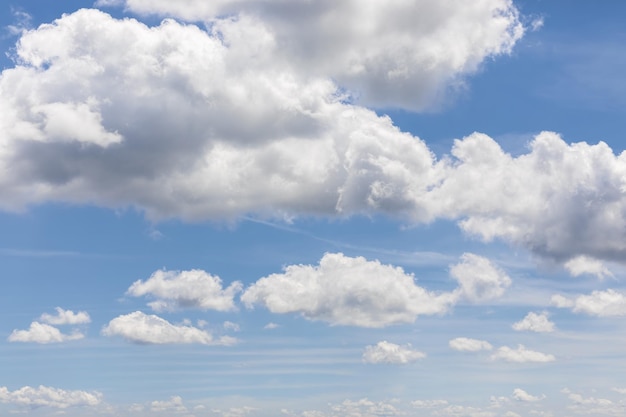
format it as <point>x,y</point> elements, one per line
<point>521,395</point>
<point>534,322</point>
<point>347,291</point>
<point>43,396</point>
<point>142,328</point>
<point>186,289</point>
<point>386,352</point>
<point>66,317</point>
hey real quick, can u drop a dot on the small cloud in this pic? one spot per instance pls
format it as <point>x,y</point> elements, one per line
<point>66,317</point>
<point>536,24</point>
<point>229,325</point>
<point>271,326</point>
<point>581,265</point>
<point>521,355</point>
<point>534,322</point>
<point>43,396</point>
<point>521,395</point>
<point>385,352</point>
<point>464,344</point>
<point>141,328</point>
<point>609,303</point>
<point>43,334</point>
<point>479,279</point>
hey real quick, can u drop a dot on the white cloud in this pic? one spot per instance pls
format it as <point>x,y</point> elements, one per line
<point>521,395</point>
<point>271,326</point>
<point>385,352</point>
<point>435,43</point>
<point>429,403</point>
<point>479,279</point>
<point>66,317</point>
<point>463,411</point>
<point>609,303</point>
<point>585,265</point>
<point>186,289</point>
<point>465,344</point>
<point>43,396</point>
<point>141,328</point>
<point>619,390</point>
<point>521,355</point>
<point>229,325</point>
<point>534,322</point>
<point>43,334</point>
<point>347,291</point>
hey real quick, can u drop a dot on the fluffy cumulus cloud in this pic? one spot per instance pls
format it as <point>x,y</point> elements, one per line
<point>465,344</point>
<point>66,317</point>
<point>534,322</point>
<point>479,280</point>
<point>43,333</point>
<point>43,396</point>
<point>608,303</point>
<point>173,405</point>
<point>347,291</point>
<point>435,43</point>
<point>521,355</point>
<point>186,289</point>
<point>142,328</point>
<point>385,352</point>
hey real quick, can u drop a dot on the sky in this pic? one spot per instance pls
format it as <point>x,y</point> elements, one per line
<point>297,208</point>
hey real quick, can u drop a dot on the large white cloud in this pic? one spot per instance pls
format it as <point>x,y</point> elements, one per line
<point>534,322</point>
<point>43,396</point>
<point>186,289</point>
<point>521,355</point>
<point>386,352</point>
<point>43,333</point>
<point>141,328</point>
<point>608,303</point>
<point>182,122</point>
<point>401,53</point>
<point>347,291</point>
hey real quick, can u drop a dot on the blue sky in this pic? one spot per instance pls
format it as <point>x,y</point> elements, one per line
<point>312,209</point>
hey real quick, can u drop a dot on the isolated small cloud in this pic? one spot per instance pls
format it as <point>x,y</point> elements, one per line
<point>385,352</point>
<point>186,289</point>
<point>521,355</point>
<point>141,328</point>
<point>43,396</point>
<point>465,344</point>
<point>619,390</point>
<point>534,322</point>
<point>521,395</point>
<point>347,291</point>
<point>479,279</point>
<point>271,326</point>
<point>43,333</point>
<point>173,405</point>
<point>66,317</point>
<point>587,265</point>
<point>229,325</point>
<point>608,303</point>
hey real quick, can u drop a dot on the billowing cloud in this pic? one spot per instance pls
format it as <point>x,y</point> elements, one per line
<point>465,344</point>
<point>479,280</point>
<point>141,328</point>
<point>435,43</point>
<point>585,265</point>
<point>66,317</point>
<point>534,322</point>
<point>43,396</point>
<point>521,355</point>
<point>385,352</point>
<point>43,333</point>
<point>609,303</point>
<point>521,395</point>
<point>347,291</point>
<point>186,289</point>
